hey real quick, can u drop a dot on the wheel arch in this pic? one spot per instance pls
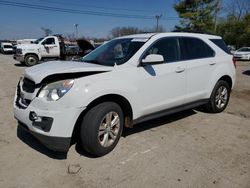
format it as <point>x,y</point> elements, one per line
<point>31,54</point>
<point>227,79</point>
<point>120,100</point>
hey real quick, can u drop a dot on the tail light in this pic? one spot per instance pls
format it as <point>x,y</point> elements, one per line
<point>234,61</point>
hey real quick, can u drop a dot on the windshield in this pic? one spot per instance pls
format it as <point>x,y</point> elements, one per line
<point>38,40</point>
<point>7,46</point>
<point>117,51</point>
<point>244,50</point>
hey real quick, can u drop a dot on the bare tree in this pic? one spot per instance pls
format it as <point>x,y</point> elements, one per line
<point>238,8</point>
<point>46,31</point>
<point>121,31</point>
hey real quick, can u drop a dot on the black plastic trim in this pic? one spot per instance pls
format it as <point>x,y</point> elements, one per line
<point>170,111</point>
<point>60,144</point>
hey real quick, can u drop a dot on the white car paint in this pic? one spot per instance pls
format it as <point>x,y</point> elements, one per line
<point>242,53</point>
<point>6,47</point>
<point>148,89</point>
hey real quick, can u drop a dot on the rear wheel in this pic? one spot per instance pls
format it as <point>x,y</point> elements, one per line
<point>31,60</point>
<point>219,97</point>
<point>101,128</point>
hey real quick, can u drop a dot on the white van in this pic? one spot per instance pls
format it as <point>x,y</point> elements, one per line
<point>6,48</point>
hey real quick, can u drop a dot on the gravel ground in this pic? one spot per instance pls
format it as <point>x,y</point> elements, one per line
<point>188,149</point>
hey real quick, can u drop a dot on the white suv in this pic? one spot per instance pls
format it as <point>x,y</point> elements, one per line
<point>123,82</point>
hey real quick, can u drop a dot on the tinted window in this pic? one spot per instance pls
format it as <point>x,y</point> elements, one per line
<point>49,41</point>
<point>167,47</point>
<point>221,44</point>
<point>193,48</point>
<point>7,46</point>
<point>244,50</point>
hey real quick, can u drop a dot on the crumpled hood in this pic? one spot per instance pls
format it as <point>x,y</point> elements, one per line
<point>38,72</point>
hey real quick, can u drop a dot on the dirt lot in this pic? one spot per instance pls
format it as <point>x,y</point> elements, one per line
<point>188,149</point>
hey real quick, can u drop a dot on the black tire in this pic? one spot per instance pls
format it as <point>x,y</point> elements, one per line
<point>213,106</point>
<point>31,60</point>
<point>93,125</point>
<point>22,63</point>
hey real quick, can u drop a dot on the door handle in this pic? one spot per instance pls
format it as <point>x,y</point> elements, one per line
<point>179,69</point>
<point>212,63</point>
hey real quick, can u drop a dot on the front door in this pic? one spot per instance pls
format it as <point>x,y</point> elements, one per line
<point>49,48</point>
<point>162,86</point>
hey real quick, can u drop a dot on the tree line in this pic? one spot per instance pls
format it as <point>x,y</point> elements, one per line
<point>230,19</point>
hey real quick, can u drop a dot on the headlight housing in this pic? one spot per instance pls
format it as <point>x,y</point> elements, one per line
<point>56,90</point>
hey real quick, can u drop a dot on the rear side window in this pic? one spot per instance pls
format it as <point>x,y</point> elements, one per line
<point>193,48</point>
<point>221,44</point>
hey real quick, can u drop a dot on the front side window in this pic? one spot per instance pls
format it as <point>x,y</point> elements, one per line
<point>49,41</point>
<point>167,47</point>
<point>117,51</point>
<point>194,48</point>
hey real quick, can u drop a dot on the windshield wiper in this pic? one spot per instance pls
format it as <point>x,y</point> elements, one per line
<point>92,61</point>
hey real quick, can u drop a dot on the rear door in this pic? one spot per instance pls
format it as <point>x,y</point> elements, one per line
<point>200,63</point>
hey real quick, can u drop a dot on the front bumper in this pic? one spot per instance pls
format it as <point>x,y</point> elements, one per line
<point>18,57</point>
<point>54,125</point>
<point>60,144</point>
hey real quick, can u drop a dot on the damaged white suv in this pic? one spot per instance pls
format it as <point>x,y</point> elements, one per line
<point>123,82</point>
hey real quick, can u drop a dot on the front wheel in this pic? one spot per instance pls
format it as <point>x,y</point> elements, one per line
<point>219,97</point>
<point>31,60</point>
<point>101,128</point>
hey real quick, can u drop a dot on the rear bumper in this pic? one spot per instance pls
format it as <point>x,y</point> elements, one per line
<point>60,144</point>
<point>18,57</point>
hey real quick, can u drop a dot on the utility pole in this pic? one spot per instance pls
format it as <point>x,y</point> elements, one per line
<point>158,17</point>
<point>76,25</point>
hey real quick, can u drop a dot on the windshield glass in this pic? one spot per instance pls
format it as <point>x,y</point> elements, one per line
<point>117,51</point>
<point>7,46</point>
<point>38,40</point>
<point>244,50</point>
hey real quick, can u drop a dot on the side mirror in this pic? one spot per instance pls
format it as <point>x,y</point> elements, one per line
<point>152,59</point>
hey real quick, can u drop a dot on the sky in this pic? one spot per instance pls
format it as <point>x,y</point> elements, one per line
<point>20,22</point>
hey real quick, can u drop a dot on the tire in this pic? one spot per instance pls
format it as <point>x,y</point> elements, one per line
<point>219,97</point>
<point>97,131</point>
<point>31,60</point>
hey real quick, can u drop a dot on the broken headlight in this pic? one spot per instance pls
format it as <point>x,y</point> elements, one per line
<point>56,90</point>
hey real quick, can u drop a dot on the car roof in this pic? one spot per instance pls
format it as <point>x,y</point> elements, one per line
<point>184,34</point>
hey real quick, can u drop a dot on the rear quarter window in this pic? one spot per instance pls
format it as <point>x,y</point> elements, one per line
<point>221,44</point>
<point>194,48</point>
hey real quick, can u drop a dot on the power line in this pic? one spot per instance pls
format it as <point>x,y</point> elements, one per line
<point>75,11</point>
<point>98,7</point>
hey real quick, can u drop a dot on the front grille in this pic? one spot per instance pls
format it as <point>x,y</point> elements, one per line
<point>21,102</point>
<point>18,51</point>
<point>28,85</point>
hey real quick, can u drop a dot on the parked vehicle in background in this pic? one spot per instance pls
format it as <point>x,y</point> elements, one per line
<point>242,53</point>
<point>125,81</point>
<point>6,48</point>
<point>43,49</point>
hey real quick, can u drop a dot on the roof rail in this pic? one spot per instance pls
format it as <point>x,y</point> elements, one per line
<point>192,31</point>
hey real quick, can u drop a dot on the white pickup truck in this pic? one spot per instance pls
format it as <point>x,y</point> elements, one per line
<point>50,47</point>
